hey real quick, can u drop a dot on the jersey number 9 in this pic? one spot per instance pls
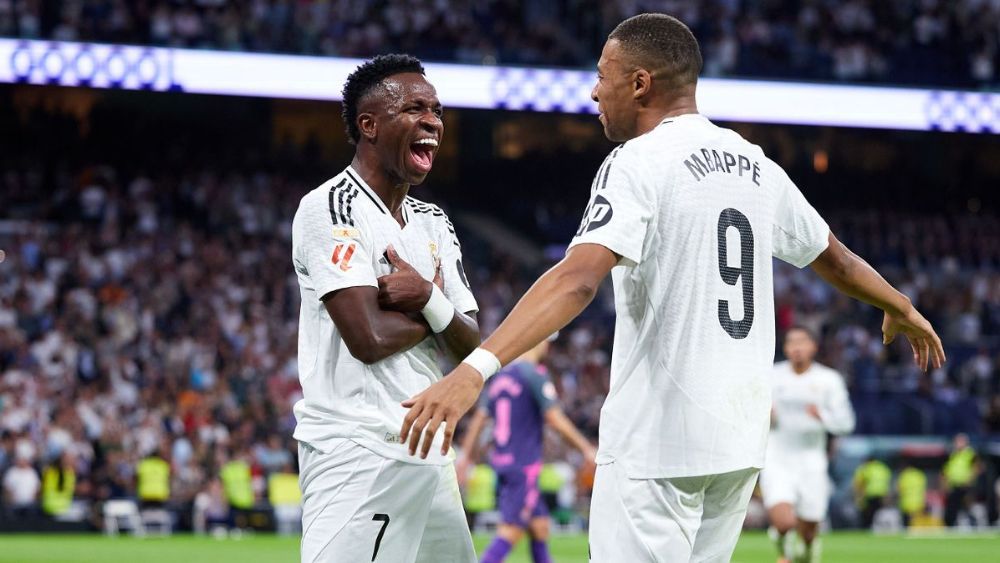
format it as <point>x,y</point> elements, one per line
<point>733,218</point>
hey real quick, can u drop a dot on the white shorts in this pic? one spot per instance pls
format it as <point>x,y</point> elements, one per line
<point>805,486</point>
<point>670,520</point>
<point>358,507</point>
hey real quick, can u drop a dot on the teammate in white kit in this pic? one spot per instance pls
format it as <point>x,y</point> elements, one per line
<point>370,328</point>
<point>686,216</point>
<point>810,400</point>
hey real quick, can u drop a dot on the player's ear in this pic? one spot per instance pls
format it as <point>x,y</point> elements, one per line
<point>367,126</point>
<point>642,83</point>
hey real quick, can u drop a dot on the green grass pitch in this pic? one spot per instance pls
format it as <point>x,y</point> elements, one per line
<point>753,548</point>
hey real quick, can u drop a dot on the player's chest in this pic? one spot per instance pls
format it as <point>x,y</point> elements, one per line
<point>794,393</point>
<point>415,243</point>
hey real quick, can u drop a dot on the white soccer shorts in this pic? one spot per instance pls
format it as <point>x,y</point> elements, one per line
<point>696,519</point>
<point>805,486</point>
<point>359,507</point>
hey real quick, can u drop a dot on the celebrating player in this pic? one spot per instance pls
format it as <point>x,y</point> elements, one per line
<point>686,216</point>
<point>370,328</point>
<point>520,400</point>
<point>810,400</point>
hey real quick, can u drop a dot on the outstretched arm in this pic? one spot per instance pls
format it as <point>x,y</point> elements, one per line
<point>558,420</point>
<point>853,276</point>
<point>370,333</point>
<point>551,303</point>
<point>557,298</point>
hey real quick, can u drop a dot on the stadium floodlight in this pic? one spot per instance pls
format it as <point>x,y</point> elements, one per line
<point>485,87</point>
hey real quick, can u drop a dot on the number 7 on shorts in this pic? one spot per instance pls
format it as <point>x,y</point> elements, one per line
<point>384,518</point>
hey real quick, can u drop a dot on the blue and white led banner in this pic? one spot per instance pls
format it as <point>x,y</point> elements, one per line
<point>485,87</point>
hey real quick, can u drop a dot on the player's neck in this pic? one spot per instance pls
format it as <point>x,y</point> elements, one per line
<point>800,369</point>
<point>391,191</point>
<point>651,116</point>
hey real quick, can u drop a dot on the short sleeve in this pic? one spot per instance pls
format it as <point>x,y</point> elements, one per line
<point>456,283</point>
<point>621,207</point>
<point>330,250</point>
<point>800,234</point>
<point>542,389</point>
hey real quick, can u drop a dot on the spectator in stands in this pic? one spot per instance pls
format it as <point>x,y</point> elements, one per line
<point>20,488</point>
<point>871,483</point>
<point>958,476</point>
<point>906,41</point>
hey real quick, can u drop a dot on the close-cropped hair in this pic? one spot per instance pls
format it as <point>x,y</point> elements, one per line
<point>662,45</point>
<point>366,78</point>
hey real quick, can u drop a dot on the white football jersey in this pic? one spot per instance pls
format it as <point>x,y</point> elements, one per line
<point>339,238</point>
<point>794,432</point>
<point>696,213</point>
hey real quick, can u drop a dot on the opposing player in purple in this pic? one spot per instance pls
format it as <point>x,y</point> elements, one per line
<point>520,400</point>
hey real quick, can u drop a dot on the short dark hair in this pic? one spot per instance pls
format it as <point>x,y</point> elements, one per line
<point>802,328</point>
<point>365,78</point>
<point>661,43</point>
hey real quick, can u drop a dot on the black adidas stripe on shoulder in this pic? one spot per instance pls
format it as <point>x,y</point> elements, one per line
<point>341,201</point>
<point>607,168</point>
<point>418,206</point>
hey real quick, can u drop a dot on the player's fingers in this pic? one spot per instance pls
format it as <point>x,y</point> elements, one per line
<point>429,433</point>
<point>409,403</point>
<point>416,431</point>
<point>916,351</point>
<point>395,259</point>
<point>449,433</point>
<point>938,348</point>
<point>410,417</point>
<point>925,352</point>
<point>888,335</point>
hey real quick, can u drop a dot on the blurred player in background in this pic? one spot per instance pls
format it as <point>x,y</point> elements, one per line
<point>686,216</point>
<point>370,329</point>
<point>810,400</point>
<point>521,400</point>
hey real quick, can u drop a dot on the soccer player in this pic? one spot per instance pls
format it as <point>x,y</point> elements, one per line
<point>686,216</point>
<point>370,328</point>
<point>810,400</point>
<point>520,400</point>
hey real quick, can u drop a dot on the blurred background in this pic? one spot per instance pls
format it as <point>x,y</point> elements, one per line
<point>148,307</point>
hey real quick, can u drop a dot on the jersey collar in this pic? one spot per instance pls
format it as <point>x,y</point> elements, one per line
<point>365,189</point>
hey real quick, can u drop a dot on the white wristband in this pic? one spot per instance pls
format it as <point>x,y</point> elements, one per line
<point>438,311</point>
<point>484,362</point>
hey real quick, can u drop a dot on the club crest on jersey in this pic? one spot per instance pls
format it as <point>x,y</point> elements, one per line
<point>434,249</point>
<point>342,254</point>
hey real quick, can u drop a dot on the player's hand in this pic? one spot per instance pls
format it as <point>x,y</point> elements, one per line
<point>813,411</point>
<point>443,402</point>
<point>403,290</point>
<point>589,454</point>
<point>927,348</point>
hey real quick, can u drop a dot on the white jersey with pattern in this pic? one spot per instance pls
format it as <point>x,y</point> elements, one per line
<point>696,214</point>
<point>340,234</point>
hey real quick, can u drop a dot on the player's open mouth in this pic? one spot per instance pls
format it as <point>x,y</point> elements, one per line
<point>422,153</point>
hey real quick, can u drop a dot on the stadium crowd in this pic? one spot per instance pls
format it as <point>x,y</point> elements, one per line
<point>908,41</point>
<point>148,310</point>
